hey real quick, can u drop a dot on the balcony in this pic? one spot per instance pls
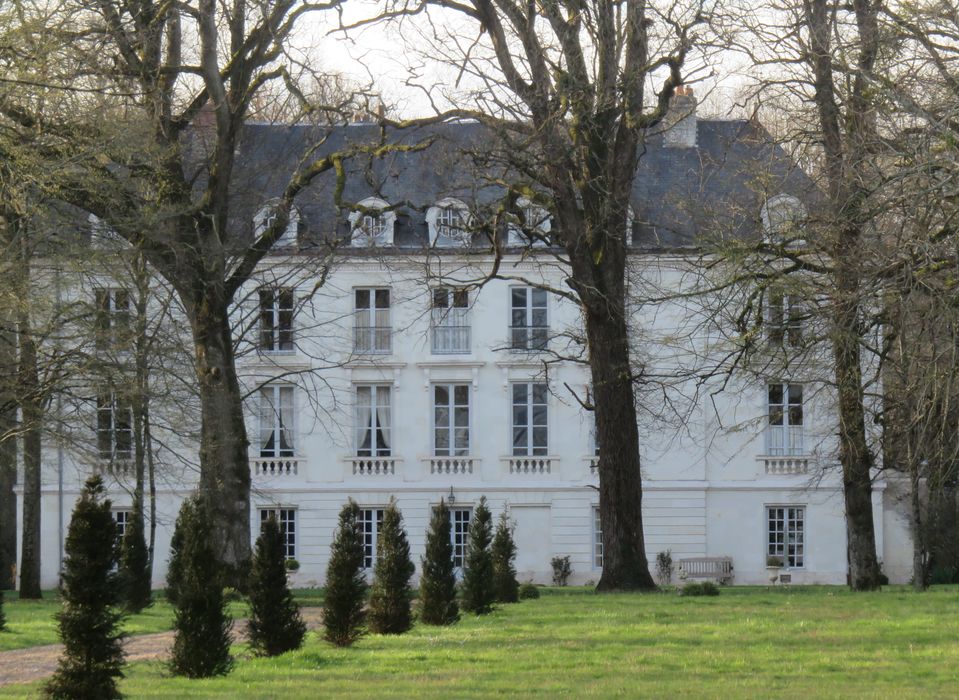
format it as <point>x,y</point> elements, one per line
<point>785,464</point>
<point>452,465</point>
<point>524,464</point>
<point>270,467</point>
<point>374,466</point>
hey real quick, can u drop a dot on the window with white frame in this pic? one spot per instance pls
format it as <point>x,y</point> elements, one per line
<point>114,427</point>
<point>451,420</point>
<point>286,519</point>
<point>112,320</point>
<point>529,324</point>
<point>122,517</point>
<point>372,328</point>
<point>276,421</point>
<point>370,521</point>
<point>276,320</point>
<point>784,433</point>
<point>786,534</point>
<point>266,217</point>
<point>533,228</point>
<point>450,320</point>
<point>530,433</point>
<point>784,318</point>
<point>373,420</point>
<point>597,540</point>
<point>372,224</point>
<point>460,519</point>
<point>448,222</point>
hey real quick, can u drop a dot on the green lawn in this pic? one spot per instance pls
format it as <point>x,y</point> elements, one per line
<point>787,643</point>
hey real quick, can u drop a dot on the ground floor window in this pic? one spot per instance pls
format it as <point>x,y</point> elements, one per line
<point>122,518</point>
<point>786,534</point>
<point>370,521</point>
<point>597,540</point>
<point>286,519</point>
<point>460,518</point>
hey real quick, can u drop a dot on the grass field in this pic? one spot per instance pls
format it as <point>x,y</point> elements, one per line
<point>787,643</point>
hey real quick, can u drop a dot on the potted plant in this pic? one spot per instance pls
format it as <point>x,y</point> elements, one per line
<point>774,563</point>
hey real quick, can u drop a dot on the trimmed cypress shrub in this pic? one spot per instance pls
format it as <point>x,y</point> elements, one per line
<point>201,642</point>
<point>174,571</point>
<point>438,577</point>
<point>135,571</point>
<point>343,614</point>
<point>505,585</point>
<point>390,594</point>
<point>478,594</point>
<point>89,620</point>
<point>275,624</point>
<point>3,617</point>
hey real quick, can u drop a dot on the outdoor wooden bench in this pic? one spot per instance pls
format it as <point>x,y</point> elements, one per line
<point>719,569</point>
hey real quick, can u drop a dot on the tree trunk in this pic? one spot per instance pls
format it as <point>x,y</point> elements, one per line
<point>625,566</point>
<point>8,459</point>
<point>920,549</point>
<point>32,413</point>
<point>224,460</point>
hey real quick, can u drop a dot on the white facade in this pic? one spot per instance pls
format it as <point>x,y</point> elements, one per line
<point>381,386</point>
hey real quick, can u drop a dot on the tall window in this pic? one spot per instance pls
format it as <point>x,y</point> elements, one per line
<point>373,421</point>
<point>276,320</point>
<point>122,518</point>
<point>784,434</point>
<point>529,419</point>
<point>784,317</point>
<point>370,521</point>
<point>460,518</point>
<point>597,540</point>
<point>276,421</point>
<point>529,327</point>
<point>114,427</point>
<point>112,322</point>
<point>786,526</point>
<point>451,420</point>
<point>372,329</point>
<point>286,519</point>
<point>449,318</point>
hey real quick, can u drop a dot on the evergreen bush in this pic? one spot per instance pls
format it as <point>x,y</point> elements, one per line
<point>3,617</point>
<point>562,570</point>
<point>345,585</point>
<point>478,594</point>
<point>664,567</point>
<point>390,594</point>
<point>135,573</point>
<point>505,585</point>
<point>438,576</point>
<point>174,572</point>
<point>275,625</point>
<point>528,591</point>
<point>89,620</point>
<point>706,588</point>
<point>201,643</point>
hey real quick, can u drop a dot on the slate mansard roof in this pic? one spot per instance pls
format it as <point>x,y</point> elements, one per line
<point>681,195</point>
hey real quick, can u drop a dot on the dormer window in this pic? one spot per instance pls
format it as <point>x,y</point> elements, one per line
<point>449,223</point>
<point>782,216</point>
<point>372,223</point>
<point>533,228</point>
<point>266,217</point>
<point>102,235</point>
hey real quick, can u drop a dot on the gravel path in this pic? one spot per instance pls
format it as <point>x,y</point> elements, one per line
<point>36,663</point>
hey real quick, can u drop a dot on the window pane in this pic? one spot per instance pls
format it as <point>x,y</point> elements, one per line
<point>440,298</point>
<point>441,395</point>
<point>519,393</point>
<point>775,394</point>
<point>461,393</point>
<point>382,298</point>
<point>362,298</point>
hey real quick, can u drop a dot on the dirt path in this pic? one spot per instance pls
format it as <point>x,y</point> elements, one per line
<point>36,663</point>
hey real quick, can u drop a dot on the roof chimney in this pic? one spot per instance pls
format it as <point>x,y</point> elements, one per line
<point>679,125</point>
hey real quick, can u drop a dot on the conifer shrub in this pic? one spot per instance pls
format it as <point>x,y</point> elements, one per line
<point>201,642</point>
<point>3,617</point>
<point>706,588</point>
<point>174,572</point>
<point>562,570</point>
<point>135,573</point>
<point>528,591</point>
<point>438,575</point>
<point>89,619</point>
<point>478,593</point>
<point>275,625</point>
<point>390,594</point>
<point>505,585</point>
<point>343,614</point>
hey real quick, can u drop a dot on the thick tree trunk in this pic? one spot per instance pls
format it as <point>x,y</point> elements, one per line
<point>32,413</point>
<point>920,548</point>
<point>224,460</point>
<point>625,566</point>
<point>8,460</point>
<point>854,454</point>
